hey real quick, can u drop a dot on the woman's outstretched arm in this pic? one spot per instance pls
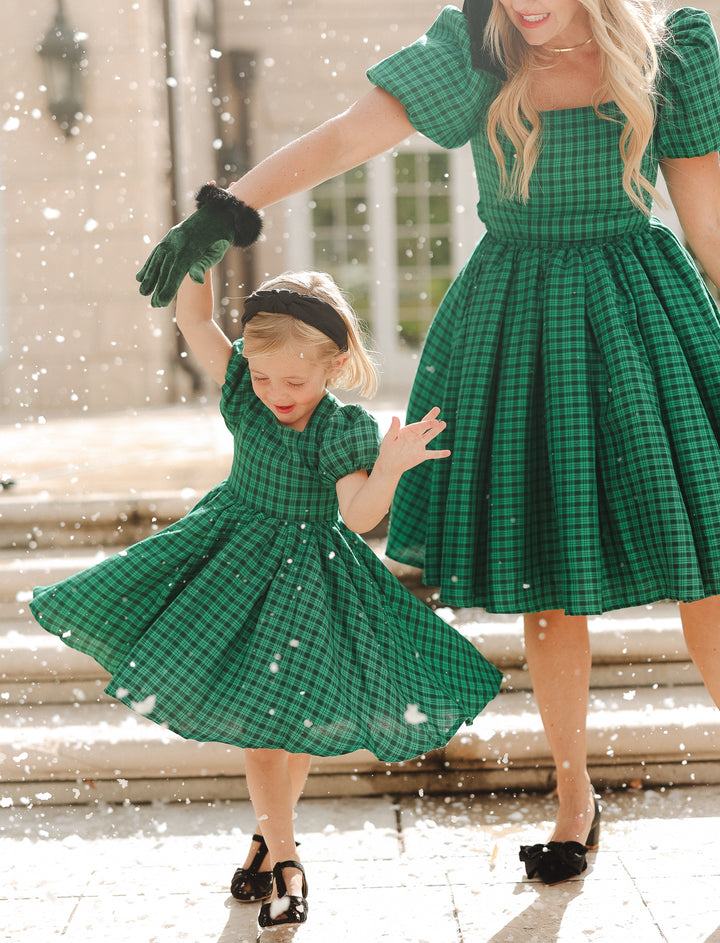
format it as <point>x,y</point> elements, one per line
<point>372,125</point>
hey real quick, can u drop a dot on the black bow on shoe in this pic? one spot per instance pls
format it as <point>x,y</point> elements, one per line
<point>555,861</point>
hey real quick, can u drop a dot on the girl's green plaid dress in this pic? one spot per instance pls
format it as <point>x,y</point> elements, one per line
<point>260,620</point>
<point>576,357</point>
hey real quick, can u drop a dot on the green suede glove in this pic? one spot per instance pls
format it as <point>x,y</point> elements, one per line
<point>198,243</point>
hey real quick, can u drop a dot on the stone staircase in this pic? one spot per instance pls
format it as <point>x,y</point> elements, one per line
<point>63,741</point>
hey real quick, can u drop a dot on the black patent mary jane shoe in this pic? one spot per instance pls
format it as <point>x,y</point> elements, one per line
<point>250,885</point>
<point>557,861</point>
<point>285,909</point>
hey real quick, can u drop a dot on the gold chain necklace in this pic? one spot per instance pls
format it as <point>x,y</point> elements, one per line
<point>573,48</point>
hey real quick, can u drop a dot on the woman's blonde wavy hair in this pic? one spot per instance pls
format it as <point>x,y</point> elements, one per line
<point>627,33</point>
<point>268,333</point>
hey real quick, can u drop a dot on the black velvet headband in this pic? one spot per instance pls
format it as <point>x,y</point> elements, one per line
<point>306,308</point>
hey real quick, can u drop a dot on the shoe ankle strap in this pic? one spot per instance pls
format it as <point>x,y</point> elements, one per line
<point>280,880</point>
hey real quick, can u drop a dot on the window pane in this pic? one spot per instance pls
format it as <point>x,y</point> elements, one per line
<point>439,209</point>
<point>423,233</point>
<point>423,246</point>
<point>405,168</point>
<point>438,168</point>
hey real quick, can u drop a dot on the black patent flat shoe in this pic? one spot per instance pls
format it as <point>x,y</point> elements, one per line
<point>557,861</point>
<point>249,885</point>
<point>285,909</point>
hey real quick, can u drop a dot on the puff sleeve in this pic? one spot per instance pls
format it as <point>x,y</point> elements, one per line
<point>444,97</point>
<point>688,122</point>
<point>237,388</point>
<point>350,443</point>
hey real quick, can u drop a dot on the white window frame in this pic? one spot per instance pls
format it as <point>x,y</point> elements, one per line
<point>397,363</point>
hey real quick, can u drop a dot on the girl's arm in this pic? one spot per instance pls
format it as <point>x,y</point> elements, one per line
<point>364,499</point>
<point>194,316</point>
<point>694,187</point>
<point>373,124</point>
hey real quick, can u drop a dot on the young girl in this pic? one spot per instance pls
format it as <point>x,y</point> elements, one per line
<point>261,619</point>
<point>577,351</point>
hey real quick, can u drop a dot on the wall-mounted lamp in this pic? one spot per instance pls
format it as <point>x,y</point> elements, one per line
<point>64,59</point>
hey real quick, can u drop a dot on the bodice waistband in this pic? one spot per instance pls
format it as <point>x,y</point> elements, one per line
<point>228,501</point>
<point>531,240</point>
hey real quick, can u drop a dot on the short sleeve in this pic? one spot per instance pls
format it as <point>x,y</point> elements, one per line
<point>237,388</point>
<point>689,88</point>
<point>444,97</point>
<point>350,443</point>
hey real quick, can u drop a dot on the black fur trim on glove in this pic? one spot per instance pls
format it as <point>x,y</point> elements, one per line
<point>246,222</point>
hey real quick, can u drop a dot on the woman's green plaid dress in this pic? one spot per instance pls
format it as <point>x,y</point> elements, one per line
<point>260,620</point>
<point>576,358</point>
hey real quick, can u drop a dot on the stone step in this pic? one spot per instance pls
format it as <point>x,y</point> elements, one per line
<point>632,648</point>
<point>643,646</point>
<point>21,570</point>
<point>63,740</point>
<point>48,522</point>
<point>43,521</point>
<point>79,752</point>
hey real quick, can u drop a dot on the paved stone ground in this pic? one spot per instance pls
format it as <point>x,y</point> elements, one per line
<point>417,870</point>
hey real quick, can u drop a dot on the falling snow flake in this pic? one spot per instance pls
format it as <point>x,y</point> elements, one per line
<point>144,707</point>
<point>413,715</point>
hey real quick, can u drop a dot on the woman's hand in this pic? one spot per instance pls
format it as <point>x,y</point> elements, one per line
<point>198,243</point>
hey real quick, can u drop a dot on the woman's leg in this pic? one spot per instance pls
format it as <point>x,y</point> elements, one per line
<point>298,766</point>
<point>557,648</point>
<point>272,791</point>
<point>701,625</point>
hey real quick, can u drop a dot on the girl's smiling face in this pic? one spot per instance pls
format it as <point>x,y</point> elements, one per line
<point>555,23</point>
<point>291,383</point>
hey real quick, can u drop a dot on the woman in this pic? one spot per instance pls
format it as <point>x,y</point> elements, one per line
<point>575,357</point>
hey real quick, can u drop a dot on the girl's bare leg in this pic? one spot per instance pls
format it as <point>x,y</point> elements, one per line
<point>701,625</point>
<point>557,648</point>
<point>298,766</point>
<point>272,791</point>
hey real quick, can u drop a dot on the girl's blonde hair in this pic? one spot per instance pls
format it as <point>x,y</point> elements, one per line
<point>267,333</point>
<point>627,33</point>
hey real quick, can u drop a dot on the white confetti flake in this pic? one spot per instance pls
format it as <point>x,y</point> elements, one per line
<point>413,715</point>
<point>144,707</point>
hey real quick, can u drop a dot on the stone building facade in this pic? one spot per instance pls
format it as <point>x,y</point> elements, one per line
<point>176,92</point>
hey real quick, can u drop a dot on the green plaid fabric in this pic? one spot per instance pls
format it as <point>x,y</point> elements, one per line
<point>575,358</point>
<point>260,620</point>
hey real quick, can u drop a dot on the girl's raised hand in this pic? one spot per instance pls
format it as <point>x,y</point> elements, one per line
<point>404,447</point>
